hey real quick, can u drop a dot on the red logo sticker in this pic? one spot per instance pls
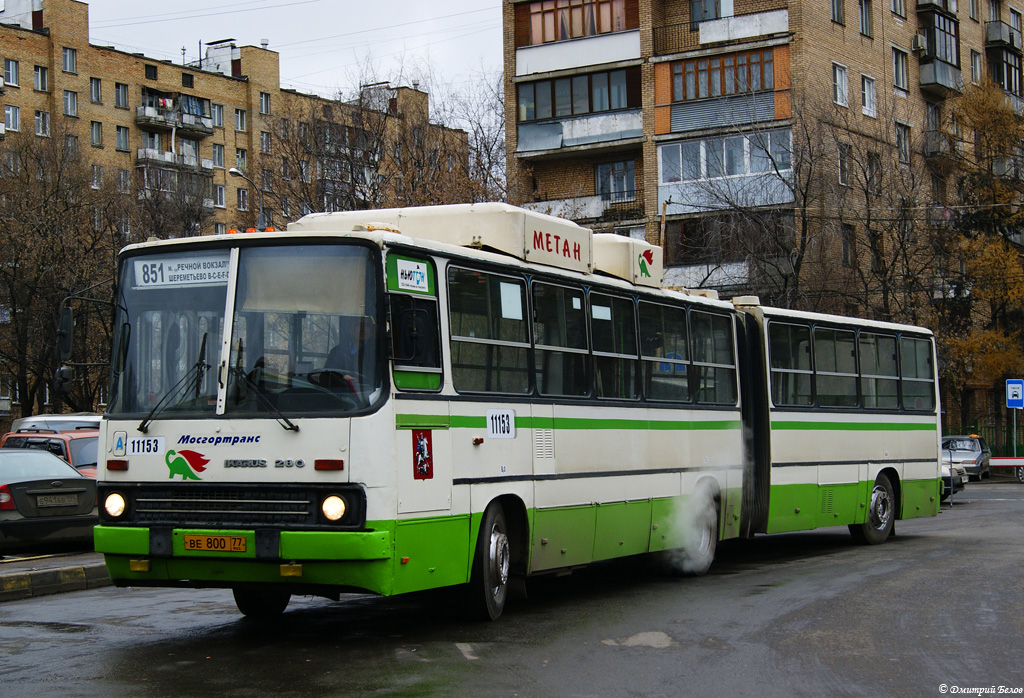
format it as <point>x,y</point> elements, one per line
<point>422,455</point>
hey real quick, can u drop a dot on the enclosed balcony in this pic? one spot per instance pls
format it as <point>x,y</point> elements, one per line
<point>169,118</point>
<point>607,131</point>
<point>1001,34</point>
<point>940,78</point>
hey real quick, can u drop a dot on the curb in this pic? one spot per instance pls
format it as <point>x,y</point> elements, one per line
<point>24,585</point>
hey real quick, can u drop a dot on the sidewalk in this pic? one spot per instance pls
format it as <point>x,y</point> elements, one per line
<point>29,576</point>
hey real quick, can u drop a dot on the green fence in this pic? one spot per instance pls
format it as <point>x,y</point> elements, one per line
<point>1004,445</point>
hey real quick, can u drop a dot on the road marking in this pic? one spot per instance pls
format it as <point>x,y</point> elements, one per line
<point>467,650</point>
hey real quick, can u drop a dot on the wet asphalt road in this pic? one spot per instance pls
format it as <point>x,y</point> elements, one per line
<point>809,614</point>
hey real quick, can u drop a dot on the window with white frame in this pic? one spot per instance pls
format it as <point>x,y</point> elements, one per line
<point>217,114</point>
<point>616,181</point>
<point>264,102</point>
<point>844,164</point>
<point>218,155</point>
<point>218,195</point>
<point>97,176</point>
<point>41,75</point>
<point>899,69</point>
<point>10,72</point>
<point>899,7</point>
<point>264,142</point>
<point>241,158</point>
<point>96,133</point>
<point>239,119</point>
<point>868,97</point>
<point>837,11</point>
<point>124,181</point>
<point>975,67</point>
<point>95,90</point>
<point>220,229</point>
<point>903,142</point>
<point>70,103</point>
<point>839,84</point>
<point>12,118</point>
<point>70,60</point>
<point>42,123</point>
<point>121,95</point>
<point>972,9</point>
<point>243,199</point>
<point>121,138</point>
<point>709,158</point>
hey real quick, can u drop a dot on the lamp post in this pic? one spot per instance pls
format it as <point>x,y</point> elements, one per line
<point>235,172</point>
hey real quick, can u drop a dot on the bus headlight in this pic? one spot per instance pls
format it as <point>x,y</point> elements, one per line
<point>114,505</point>
<point>334,508</point>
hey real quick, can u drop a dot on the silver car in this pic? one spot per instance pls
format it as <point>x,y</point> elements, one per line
<point>969,451</point>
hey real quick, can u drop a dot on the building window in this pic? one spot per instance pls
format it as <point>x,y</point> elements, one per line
<point>975,67</point>
<point>903,142</point>
<point>70,103</point>
<point>972,9</point>
<point>874,173</point>
<point>942,35</point>
<point>243,199</point>
<point>121,138</point>
<point>150,140</point>
<point>188,80</point>
<point>839,84</point>
<point>218,195</point>
<point>837,11</point>
<point>97,176</point>
<point>95,90</point>
<point>42,123</point>
<point>1015,18</point>
<point>708,158</point>
<point>217,113</point>
<point>582,94</point>
<point>899,7</point>
<point>865,17</point>
<point>1006,66</point>
<point>96,133</point>
<point>994,9</point>
<point>844,164</point>
<point>41,78</point>
<point>218,155</point>
<point>12,118</point>
<point>849,242</point>
<point>264,142</point>
<point>70,60</point>
<point>899,69</point>
<point>10,72</point>
<point>150,72</point>
<point>869,99</point>
<point>240,158</point>
<point>615,181</point>
<point>124,181</point>
<point>304,172</point>
<point>573,19</point>
<point>239,119</point>
<point>264,102</point>
<point>714,76</point>
<point>121,95</point>
<point>220,229</point>
<point>703,10</point>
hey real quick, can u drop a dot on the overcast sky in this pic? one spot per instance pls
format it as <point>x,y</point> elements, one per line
<point>324,44</point>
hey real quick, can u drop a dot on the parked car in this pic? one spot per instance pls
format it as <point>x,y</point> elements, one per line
<point>1019,472</point>
<point>953,479</point>
<point>971,452</point>
<point>77,447</point>
<point>58,422</point>
<point>43,500</point>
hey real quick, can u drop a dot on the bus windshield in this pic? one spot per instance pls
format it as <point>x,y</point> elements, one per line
<point>303,335</point>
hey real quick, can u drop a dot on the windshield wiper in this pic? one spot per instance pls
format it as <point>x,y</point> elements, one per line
<point>194,373</point>
<point>264,400</point>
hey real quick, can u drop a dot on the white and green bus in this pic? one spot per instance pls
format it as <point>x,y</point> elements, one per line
<point>465,396</point>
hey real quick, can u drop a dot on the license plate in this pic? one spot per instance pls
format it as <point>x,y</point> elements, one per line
<point>57,500</point>
<point>220,544</point>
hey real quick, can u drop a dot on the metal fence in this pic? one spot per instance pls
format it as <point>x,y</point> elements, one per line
<point>1003,445</point>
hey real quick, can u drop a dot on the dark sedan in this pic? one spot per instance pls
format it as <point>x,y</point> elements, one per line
<point>43,501</point>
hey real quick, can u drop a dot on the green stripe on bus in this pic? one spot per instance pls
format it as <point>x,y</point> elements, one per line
<point>416,421</point>
<point>852,426</point>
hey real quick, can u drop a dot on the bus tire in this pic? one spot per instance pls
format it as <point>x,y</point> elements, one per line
<point>701,532</point>
<point>881,514</point>
<point>261,604</point>
<point>488,582</point>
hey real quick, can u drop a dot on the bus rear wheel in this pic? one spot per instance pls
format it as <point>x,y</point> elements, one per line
<point>488,583</point>
<point>261,604</point>
<point>881,514</point>
<point>702,532</point>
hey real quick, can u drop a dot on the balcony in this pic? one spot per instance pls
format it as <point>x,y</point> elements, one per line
<point>676,38</point>
<point>578,53</point>
<point>574,209</point>
<point>153,156</point>
<point>168,118</point>
<point>607,131</point>
<point>940,78</point>
<point>1002,35</point>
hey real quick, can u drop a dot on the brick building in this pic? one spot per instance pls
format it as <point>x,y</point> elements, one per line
<point>680,122</point>
<point>172,128</point>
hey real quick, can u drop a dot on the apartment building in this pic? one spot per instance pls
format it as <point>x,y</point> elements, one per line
<point>176,130</point>
<point>668,120</point>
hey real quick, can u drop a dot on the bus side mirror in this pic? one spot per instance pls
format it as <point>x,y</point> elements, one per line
<point>62,380</point>
<point>65,334</point>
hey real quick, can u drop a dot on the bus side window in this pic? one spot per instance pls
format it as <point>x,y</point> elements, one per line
<point>414,331</point>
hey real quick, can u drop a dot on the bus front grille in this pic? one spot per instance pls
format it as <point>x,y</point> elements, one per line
<point>241,506</point>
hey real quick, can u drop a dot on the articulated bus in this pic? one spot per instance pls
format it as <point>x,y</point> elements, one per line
<point>464,396</point>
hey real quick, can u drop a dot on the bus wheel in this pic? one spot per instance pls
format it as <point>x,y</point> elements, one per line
<point>881,514</point>
<point>259,604</point>
<point>488,583</point>
<point>701,533</point>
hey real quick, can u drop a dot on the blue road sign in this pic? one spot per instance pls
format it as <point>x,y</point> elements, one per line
<point>1015,393</point>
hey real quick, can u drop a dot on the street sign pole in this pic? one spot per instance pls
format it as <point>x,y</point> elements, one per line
<point>1015,401</point>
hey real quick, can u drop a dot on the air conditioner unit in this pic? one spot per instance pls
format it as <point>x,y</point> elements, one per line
<point>920,42</point>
